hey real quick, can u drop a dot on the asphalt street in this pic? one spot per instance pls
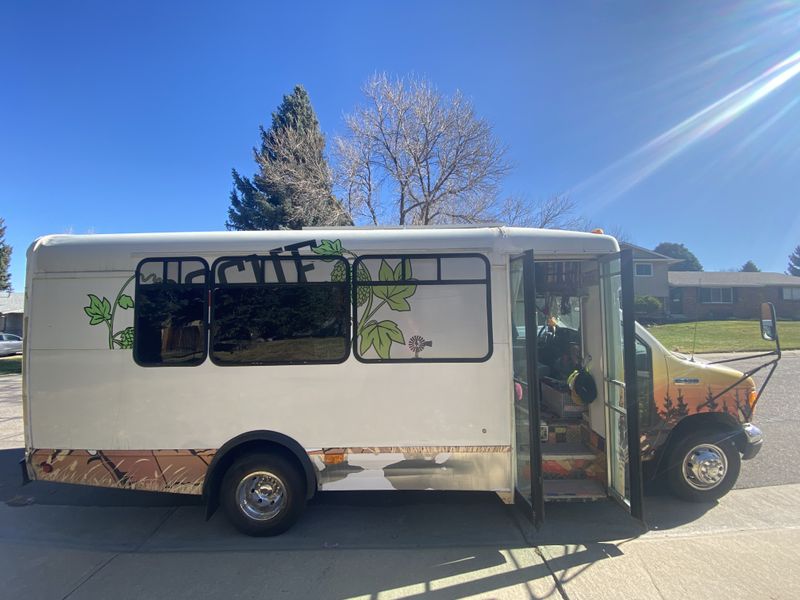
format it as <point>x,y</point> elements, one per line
<point>778,416</point>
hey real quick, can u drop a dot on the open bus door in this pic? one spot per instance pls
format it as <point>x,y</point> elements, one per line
<point>529,483</point>
<point>622,398</point>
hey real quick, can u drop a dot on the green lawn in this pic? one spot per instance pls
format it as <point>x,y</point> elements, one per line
<point>10,365</point>
<point>724,336</point>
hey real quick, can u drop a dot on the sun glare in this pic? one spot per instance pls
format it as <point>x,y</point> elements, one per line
<point>610,183</point>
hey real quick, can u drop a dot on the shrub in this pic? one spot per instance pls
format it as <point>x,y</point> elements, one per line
<point>647,305</point>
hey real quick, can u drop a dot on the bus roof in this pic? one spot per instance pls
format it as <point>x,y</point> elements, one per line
<point>110,252</point>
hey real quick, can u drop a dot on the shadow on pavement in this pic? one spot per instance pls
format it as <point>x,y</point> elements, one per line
<point>566,523</point>
<point>436,544</point>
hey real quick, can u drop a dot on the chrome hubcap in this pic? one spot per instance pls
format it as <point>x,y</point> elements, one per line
<point>261,495</point>
<point>705,466</point>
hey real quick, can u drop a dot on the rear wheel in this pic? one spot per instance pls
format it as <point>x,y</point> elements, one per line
<point>262,494</point>
<point>703,466</point>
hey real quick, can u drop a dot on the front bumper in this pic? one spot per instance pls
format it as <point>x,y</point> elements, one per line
<point>754,439</point>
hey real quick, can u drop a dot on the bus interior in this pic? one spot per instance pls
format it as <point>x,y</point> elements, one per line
<point>569,333</point>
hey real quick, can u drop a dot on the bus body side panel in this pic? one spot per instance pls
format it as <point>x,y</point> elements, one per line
<point>677,388</point>
<point>97,418</point>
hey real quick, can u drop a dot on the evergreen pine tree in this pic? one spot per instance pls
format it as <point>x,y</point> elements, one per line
<point>5,259</point>
<point>688,260</point>
<point>749,267</point>
<point>794,263</point>
<point>710,402</point>
<point>669,409</point>
<point>681,408</point>
<point>292,188</point>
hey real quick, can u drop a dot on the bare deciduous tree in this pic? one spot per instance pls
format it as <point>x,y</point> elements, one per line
<point>555,212</point>
<point>292,162</point>
<point>432,157</point>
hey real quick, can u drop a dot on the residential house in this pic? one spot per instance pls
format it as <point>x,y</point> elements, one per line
<point>650,274</point>
<point>700,295</point>
<point>12,307</point>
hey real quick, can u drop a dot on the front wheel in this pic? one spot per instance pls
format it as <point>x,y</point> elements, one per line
<point>262,494</point>
<point>703,466</point>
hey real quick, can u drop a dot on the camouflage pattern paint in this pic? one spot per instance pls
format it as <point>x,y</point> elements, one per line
<point>178,471</point>
<point>184,471</point>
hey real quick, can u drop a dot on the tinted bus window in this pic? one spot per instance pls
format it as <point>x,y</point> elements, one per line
<point>170,312</point>
<point>269,310</point>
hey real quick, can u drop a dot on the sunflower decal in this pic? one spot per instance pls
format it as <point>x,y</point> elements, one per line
<point>417,344</point>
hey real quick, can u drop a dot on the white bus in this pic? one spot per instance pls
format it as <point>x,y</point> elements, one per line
<point>256,368</point>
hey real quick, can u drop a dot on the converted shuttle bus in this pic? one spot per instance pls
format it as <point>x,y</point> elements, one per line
<point>256,368</point>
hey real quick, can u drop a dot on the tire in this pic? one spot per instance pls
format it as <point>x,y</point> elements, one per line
<point>262,494</point>
<point>703,466</point>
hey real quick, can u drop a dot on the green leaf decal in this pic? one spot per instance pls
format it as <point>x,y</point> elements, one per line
<point>364,291</point>
<point>98,311</point>
<point>380,335</point>
<point>125,301</point>
<point>396,296</point>
<point>328,248</point>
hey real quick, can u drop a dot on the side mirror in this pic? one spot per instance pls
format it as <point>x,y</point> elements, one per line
<point>769,327</point>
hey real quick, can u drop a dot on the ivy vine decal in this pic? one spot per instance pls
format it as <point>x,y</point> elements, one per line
<point>375,333</point>
<point>371,332</point>
<point>380,335</point>
<point>102,311</point>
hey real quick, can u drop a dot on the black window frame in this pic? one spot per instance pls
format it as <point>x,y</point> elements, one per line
<point>487,281</point>
<point>205,285</point>
<point>281,258</point>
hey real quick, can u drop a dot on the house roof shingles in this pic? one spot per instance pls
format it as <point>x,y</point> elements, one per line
<point>730,279</point>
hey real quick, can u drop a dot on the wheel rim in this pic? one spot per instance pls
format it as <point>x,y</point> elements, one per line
<point>705,467</point>
<point>261,495</point>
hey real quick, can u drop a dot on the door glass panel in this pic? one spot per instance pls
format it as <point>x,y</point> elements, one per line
<point>644,379</point>
<point>522,422</point>
<point>611,279</point>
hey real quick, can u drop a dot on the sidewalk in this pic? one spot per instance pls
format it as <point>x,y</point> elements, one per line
<point>745,547</point>
<point>398,545</point>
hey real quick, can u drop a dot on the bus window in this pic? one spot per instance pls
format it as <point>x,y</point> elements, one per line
<point>280,310</point>
<point>434,308</point>
<point>644,375</point>
<point>170,312</point>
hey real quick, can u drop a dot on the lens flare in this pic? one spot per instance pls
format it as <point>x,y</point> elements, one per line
<point>621,176</point>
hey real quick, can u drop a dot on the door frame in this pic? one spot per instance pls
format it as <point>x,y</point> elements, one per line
<point>631,384</point>
<point>635,503</point>
<point>534,504</point>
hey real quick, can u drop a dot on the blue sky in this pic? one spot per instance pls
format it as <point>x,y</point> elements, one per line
<point>676,121</point>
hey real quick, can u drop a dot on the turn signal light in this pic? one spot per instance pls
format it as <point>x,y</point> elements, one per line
<point>336,458</point>
<point>752,396</point>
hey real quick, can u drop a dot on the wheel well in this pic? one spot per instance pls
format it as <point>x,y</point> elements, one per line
<point>247,443</point>
<point>718,422</point>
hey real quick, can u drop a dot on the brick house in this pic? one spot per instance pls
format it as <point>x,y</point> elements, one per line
<point>700,295</point>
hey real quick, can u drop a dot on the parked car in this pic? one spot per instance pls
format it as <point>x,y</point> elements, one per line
<point>10,344</point>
